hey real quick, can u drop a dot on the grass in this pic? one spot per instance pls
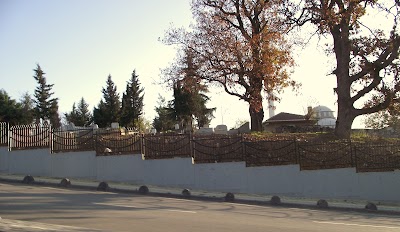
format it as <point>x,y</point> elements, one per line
<point>358,136</point>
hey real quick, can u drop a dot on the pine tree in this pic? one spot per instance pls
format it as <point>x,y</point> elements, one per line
<point>108,110</point>
<point>165,119</point>
<point>72,117</point>
<point>46,107</point>
<point>190,104</point>
<point>26,102</point>
<point>80,116</point>
<point>189,95</point>
<point>132,102</point>
<point>15,112</point>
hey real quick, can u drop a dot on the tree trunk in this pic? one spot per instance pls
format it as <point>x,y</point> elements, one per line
<point>344,122</point>
<point>346,111</point>
<point>256,118</point>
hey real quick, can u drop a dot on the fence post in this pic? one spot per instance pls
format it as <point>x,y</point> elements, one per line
<point>190,144</point>
<point>193,149</point>
<point>356,158</point>
<point>352,153</point>
<point>95,139</point>
<point>244,155</point>
<point>142,148</point>
<point>51,145</point>
<point>298,153</point>
<point>9,138</point>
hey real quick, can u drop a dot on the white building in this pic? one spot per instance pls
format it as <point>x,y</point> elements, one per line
<point>325,116</point>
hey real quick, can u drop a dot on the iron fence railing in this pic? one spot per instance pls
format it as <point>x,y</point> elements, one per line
<point>331,155</point>
<point>166,146</point>
<point>73,140</point>
<point>116,142</point>
<point>33,136</point>
<point>270,153</point>
<point>365,157</point>
<point>4,134</point>
<point>374,157</point>
<point>217,149</point>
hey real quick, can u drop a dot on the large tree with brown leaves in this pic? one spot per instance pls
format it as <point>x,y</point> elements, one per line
<point>239,45</point>
<point>367,58</point>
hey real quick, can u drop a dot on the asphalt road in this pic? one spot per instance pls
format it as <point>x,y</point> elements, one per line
<point>46,206</point>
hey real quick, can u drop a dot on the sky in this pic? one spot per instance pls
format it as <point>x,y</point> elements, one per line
<point>78,43</point>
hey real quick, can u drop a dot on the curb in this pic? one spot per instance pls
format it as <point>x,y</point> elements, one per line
<point>221,199</point>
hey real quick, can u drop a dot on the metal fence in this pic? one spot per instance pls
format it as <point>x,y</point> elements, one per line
<point>217,149</point>
<point>116,142</point>
<point>377,157</point>
<point>332,155</point>
<point>166,146</point>
<point>365,157</point>
<point>270,153</point>
<point>3,134</point>
<point>33,136</point>
<point>75,140</point>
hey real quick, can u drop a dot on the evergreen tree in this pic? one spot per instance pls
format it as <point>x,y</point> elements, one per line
<point>15,112</point>
<point>165,119</point>
<point>9,109</point>
<point>55,119</point>
<point>72,117</point>
<point>46,107</point>
<point>100,115</point>
<point>80,116</point>
<point>189,95</point>
<point>132,102</point>
<point>240,46</point>
<point>108,110</point>
<point>26,102</point>
<point>190,104</point>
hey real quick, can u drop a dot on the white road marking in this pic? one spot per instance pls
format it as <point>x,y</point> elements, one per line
<point>353,224</point>
<point>180,211</point>
<point>72,190</point>
<point>131,206</point>
<point>108,204</point>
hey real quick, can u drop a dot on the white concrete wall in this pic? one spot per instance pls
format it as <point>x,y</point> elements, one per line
<point>177,172</point>
<point>3,159</point>
<point>74,164</point>
<point>379,185</point>
<point>329,183</point>
<point>123,168</point>
<point>229,177</point>
<point>180,172</point>
<point>30,162</point>
<point>274,180</point>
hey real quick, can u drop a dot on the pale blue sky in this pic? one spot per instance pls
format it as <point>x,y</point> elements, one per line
<point>79,42</point>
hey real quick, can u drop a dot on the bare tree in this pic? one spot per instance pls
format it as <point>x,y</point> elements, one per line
<point>239,45</point>
<point>367,58</point>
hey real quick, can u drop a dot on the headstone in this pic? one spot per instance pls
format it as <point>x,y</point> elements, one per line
<point>205,131</point>
<point>221,130</point>
<point>114,125</point>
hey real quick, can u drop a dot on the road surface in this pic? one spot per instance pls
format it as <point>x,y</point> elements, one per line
<point>41,206</point>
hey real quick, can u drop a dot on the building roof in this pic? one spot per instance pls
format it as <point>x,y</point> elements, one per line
<point>322,109</point>
<point>286,117</point>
